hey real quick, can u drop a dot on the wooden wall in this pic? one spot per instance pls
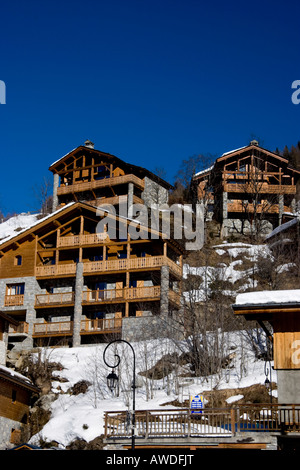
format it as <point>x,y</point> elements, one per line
<point>8,263</point>
<point>14,401</point>
<point>287,341</point>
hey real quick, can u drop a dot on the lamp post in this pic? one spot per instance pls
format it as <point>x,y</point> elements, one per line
<point>112,380</point>
<point>268,383</point>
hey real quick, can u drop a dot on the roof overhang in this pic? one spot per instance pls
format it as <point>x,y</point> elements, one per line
<point>97,211</point>
<point>112,158</point>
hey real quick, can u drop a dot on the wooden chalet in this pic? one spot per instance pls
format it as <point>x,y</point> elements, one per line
<point>278,313</point>
<point>247,186</point>
<point>94,176</point>
<point>65,283</point>
<point>16,393</point>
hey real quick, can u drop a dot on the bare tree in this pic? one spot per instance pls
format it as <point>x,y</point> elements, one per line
<point>43,196</point>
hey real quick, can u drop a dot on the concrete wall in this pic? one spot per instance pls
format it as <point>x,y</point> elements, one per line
<point>288,385</point>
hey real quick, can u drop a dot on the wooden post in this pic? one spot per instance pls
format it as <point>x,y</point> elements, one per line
<point>232,418</point>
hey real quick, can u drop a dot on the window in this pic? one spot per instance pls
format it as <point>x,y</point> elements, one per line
<point>14,294</point>
<point>15,289</point>
<point>14,396</point>
<point>18,260</point>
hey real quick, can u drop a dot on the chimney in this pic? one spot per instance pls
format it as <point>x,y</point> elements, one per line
<point>89,144</point>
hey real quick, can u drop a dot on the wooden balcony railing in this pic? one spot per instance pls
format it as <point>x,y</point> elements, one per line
<point>123,294</point>
<point>22,327</point>
<point>263,208</point>
<point>174,297</point>
<point>56,270</point>
<point>62,298</point>
<point>210,422</point>
<point>65,328</point>
<point>149,262</point>
<point>259,187</point>
<point>103,296</point>
<point>14,300</point>
<point>79,240</point>
<point>91,267</point>
<point>101,325</point>
<point>90,185</point>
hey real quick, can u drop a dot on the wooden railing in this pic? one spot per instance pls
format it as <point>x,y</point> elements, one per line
<point>259,187</point>
<point>22,327</point>
<point>56,270</point>
<point>122,294</point>
<point>210,422</point>
<point>92,296</point>
<point>150,262</point>
<point>131,264</point>
<point>174,297</point>
<point>101,325</point>
<point>62,298</point>
<point>14,300</point>
<point>70,241</point>
<point>267,208</point>
<point>65,328</point>
<point>90,185</point>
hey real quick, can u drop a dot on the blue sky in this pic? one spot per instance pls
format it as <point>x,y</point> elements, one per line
<point>152,82</point>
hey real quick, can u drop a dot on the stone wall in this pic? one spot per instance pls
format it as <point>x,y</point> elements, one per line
<point>31,289</point>
<point>6,427</point>
<point>154,193</point>
<point>148,327</point>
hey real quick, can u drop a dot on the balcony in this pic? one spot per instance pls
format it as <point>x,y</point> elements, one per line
<point>126,294</point>
<point>65,328</point>
<point>21,328</point>
<point>53,300</point>
<point>13,300</point>
<point>122,295</point>
<point>110,266</point>
<point>259,187</point>
<point>264,207</point>
<point>106,182</point>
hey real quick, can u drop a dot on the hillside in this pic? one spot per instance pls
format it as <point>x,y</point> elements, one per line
<point>70,412</point>
<point>80,417</point>
<point>79,395</point>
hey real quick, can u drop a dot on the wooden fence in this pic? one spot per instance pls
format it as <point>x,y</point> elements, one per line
<point>209,422</point>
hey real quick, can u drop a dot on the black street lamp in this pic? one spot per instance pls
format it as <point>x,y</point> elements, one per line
<point>112,380</point>
<point>268,383</point>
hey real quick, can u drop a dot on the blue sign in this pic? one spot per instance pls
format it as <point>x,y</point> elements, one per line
<point>197,404</point>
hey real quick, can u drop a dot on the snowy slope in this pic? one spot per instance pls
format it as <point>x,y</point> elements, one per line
<point>82,416</point>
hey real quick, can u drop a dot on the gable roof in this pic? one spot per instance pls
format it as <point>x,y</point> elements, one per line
<point>16,378</point>
<point>138,170</point>
<point>51,218</point>
<point>253,146</point>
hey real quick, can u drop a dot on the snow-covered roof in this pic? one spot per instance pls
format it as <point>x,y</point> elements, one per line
<point>34,223</point>
<point>235,150</point>
<point>62,157</point>
<point>269,297</point>
<point>204,171</point>
<point>14,374</point>
<point>282,228</point>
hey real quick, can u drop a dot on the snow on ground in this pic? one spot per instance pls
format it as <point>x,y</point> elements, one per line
<point>230,272</point>
<point>82,416</point>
